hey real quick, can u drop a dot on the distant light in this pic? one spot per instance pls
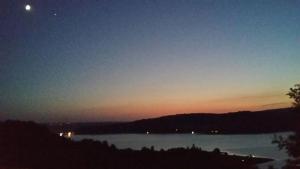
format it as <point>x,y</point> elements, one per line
<point>147,132</point>
<point>69,134</point>
<point>61,134</point>
<point>193,132</point>
<point>27,7</point>
<point>176,129</point>
<point>214,131</point>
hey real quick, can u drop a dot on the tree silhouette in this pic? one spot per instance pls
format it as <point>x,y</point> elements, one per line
<point>295,95</point>
<point>292,142</point>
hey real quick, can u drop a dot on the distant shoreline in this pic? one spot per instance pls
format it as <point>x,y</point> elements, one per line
<point>189,133</point>
<point>243,122</point>
<point>32,146</point>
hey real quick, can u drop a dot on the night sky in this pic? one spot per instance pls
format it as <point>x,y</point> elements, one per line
<point>103,60</point>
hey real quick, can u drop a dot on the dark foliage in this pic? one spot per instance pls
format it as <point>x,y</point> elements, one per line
<point>32,146</point>
<point>292,143</point>
<point>294,94</point>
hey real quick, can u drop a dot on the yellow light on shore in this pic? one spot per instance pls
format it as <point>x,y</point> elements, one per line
<point>69,134</point>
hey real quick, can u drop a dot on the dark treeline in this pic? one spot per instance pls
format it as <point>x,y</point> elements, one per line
<point>32,146</point>
<point>246,122</point>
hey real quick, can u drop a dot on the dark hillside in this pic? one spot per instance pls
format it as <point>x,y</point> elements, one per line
<point>246,122</point>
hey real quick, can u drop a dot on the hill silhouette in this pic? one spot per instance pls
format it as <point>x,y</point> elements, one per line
<point>244,122</point>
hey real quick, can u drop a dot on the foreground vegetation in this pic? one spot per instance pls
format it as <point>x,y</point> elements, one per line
<point>292,143</point>
<point>32,146</point>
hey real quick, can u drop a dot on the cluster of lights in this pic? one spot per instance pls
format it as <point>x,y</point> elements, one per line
<point>68,134</point>
<point>215,131</point>
<point>192,132</point>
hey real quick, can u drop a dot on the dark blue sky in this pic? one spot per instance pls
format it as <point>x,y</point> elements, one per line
<point>117,60</point>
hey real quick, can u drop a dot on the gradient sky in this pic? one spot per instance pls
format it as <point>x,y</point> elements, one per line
<point>99,60</point>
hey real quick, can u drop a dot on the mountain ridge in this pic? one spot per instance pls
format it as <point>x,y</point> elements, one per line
<point>242,122</point>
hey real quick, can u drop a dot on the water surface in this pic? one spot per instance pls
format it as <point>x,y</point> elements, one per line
<point>254,144</point>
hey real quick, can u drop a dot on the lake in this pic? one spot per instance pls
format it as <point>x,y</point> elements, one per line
<point>254,144</point>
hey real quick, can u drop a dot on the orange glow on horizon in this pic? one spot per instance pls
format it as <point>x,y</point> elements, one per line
<point>138,109</point>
